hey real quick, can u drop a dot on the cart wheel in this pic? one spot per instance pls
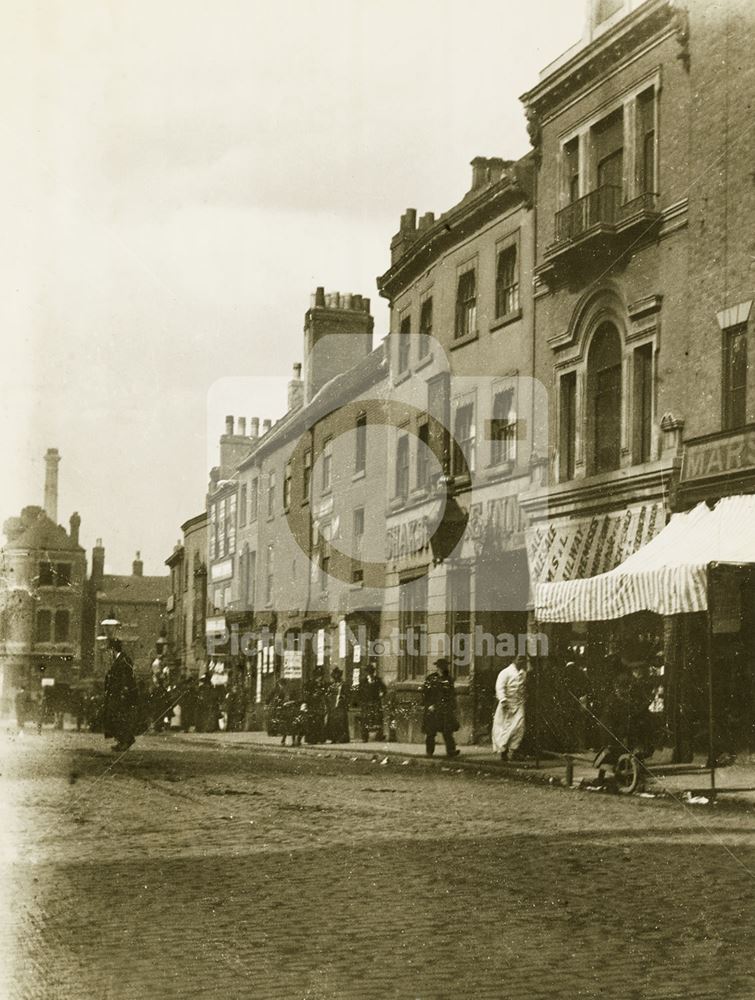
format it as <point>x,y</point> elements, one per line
<point>627,773</point>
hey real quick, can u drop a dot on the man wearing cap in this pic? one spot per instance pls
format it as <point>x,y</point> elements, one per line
<point>439,700</point>
<point>508,721</point>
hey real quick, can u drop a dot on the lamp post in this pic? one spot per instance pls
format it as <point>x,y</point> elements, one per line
<point>108,631</point>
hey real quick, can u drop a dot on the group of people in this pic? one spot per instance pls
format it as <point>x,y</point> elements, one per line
<point>128,707</point>
<point>323,714</point>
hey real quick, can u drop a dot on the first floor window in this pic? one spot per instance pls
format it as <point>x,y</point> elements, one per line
<point>463,445</point>
<point>307,475</point>
<point>269,575</point>
<point>271,494</point>
<point>423,457</point>
<point>360,456</point>
<point>287,487</point>
<point>567,426</point>
<point>44,626</point>
<point>62,626</point>
<point>402,466</point>
<point>243,509</point>
<point>357,572</point>
<point>413,628</point>
<point>404,343</point>
<point>503,428</point>
<point>507,282</point>
<point>327,465</point>
<point>466,305</point>
<point>735,377</point>
<point>643,402</point>
<point>425,327</point>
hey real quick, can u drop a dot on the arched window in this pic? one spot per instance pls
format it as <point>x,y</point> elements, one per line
<point>604,399</point>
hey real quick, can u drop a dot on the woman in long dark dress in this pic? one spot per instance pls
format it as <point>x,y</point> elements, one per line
<point>119,709</point>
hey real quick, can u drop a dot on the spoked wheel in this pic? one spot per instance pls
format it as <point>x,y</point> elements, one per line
<point>627,773</point>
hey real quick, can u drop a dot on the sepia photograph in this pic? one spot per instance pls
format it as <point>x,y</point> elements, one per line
<point>377,565</point>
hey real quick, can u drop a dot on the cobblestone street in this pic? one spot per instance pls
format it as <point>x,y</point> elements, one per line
<point>188,870</point>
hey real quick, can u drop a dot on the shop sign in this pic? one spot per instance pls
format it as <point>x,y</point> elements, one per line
<point>292,664</point>
<point>215,626</point>
<point>721,457</point>
<point>578,549</point>
<point>501,519</point>
<point>408,539</point>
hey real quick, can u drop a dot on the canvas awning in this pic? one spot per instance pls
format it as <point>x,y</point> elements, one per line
<point>668,575</point>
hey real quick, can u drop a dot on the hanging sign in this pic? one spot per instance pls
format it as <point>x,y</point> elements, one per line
<point>292,664</point>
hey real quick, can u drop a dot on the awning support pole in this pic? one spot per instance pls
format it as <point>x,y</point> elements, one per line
<point>711,740</point>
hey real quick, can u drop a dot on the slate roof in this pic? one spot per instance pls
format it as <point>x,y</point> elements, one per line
<point>137,589</point>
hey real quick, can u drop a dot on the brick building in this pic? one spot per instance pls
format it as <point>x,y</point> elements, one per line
<point>41,587</point>
<point>186,607</point>
<point>462,324</point>
<point>567,364</point>
<point>137,601</point>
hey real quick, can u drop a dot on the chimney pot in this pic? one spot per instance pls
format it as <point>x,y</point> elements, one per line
<point>320,297</point>
<point>297,369</point>
<point>137,566</point>
<point>254,427</point>
<point>75,523</point>
<point>266,425</point>
<point>229,425</point>
<point>242,426</point>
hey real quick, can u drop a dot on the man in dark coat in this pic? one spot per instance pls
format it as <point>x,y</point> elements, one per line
<point>372,691</point>
<point>439,700</point>
<point>337,719</point>
<point>119,710</point>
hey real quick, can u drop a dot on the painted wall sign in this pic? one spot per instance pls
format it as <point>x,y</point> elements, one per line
<point>720,457</point>
<point>408,539</point>
<point>573,550</point>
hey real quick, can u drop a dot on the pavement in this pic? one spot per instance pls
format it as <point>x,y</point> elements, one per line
<point>552,771</point>
<point>206,867</point>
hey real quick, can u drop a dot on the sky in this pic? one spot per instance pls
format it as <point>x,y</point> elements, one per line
<point>178,177</point>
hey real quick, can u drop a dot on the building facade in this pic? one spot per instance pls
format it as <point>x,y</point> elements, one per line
<point>41,590</point>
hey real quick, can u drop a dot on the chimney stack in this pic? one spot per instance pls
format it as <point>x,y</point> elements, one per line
<point>137,567</point>
<point>295,390</point>
<point>337,336</point>
<point>75,523</point>
<point>52,460</point>
<point>98,564</point>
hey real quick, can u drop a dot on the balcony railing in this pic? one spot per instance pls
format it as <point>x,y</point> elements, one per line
<point>599,207</point>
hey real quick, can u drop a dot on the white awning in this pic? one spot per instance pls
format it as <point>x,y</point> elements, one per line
<point>668,575</point>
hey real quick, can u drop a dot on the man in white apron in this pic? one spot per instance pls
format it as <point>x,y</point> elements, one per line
<point>508,721</point>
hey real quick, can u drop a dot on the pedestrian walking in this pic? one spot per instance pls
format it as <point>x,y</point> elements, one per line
<point>337,718</point>
<point>372,691</point>
<point>508,721</point>
<point>439,699</point>
<point>119,710</point>
<point>316,700</point>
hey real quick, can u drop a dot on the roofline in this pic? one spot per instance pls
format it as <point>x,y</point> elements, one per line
<point>194,521</point>
<point>585,54</point>
<point>443,234</point>
<point>321,404</point>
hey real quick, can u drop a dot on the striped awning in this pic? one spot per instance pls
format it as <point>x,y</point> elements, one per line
<point>668,575</point>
